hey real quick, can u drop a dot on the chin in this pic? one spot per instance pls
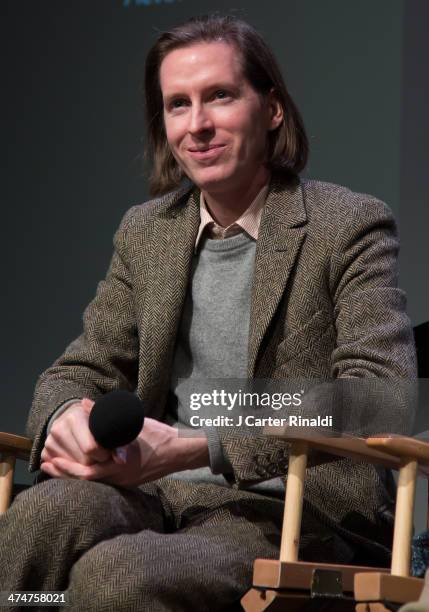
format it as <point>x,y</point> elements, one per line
<point>211,181</point>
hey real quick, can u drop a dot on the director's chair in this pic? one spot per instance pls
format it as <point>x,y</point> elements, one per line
<point>288,584</point>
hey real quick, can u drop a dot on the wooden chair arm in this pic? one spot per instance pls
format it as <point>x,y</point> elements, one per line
<point>387,450</point>
<point>402,447</point>
<point>11,448</point>
<point>18,446</point>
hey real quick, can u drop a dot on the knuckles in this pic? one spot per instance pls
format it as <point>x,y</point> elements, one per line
<point>90,449</point>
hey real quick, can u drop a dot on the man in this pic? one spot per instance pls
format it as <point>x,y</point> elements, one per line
<point>248,272</point>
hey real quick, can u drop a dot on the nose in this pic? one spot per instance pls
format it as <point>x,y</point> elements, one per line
<point>200,120</point>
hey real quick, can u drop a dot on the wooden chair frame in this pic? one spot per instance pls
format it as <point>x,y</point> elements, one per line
<point>11,448</point>
<point>289,584</point>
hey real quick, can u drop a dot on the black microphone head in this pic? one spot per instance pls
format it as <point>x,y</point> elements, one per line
<point>116,419</point>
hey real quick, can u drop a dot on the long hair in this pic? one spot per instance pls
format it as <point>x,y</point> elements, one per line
<point>287,144</point>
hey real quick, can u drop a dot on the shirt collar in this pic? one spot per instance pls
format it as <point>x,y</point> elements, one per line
<point>249,221</point>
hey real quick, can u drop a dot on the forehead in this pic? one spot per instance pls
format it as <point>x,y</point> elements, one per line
<point>199,65</point>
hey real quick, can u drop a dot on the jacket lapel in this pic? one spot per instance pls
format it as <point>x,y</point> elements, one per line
<point>281,234</point>
<point>173,237</point>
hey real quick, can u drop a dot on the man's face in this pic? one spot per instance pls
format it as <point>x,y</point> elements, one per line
<point>216,123</point>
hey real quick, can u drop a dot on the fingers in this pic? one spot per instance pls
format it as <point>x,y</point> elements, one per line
<point>71,438</point>
<point>84,437</point>
<point>71,451</point>
<point>63,446</point>
<point>86,442</point>
<point>87,404</point>
<point>50,469</point>
<point>61,467</point>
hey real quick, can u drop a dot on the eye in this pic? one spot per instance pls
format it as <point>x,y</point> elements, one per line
<point>221,94</point>
<point>177,103</point>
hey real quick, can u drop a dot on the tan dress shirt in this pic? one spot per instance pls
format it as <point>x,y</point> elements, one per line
<point>249,221</point>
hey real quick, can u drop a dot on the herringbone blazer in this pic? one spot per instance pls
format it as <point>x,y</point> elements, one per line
<point>325,304</point>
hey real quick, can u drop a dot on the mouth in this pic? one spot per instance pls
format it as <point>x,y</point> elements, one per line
<point>209,152</point>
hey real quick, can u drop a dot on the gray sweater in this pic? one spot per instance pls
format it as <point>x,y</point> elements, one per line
<point>212,340</point>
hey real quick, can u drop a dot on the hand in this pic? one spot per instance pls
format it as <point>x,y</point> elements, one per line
<point>71,439</point>
<point>156,452</point>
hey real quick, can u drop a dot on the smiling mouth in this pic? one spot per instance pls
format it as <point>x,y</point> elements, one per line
<point>209,152</point>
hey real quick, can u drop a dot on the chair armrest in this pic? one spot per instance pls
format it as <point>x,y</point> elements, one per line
<point>17,446</point>
<point>11,448</point>
<point>402,446</point>
<point>387,450</point>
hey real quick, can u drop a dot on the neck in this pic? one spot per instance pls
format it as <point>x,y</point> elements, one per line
<point>227,207</point>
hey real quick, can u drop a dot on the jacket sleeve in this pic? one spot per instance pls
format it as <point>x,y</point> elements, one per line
<point>103,358</point>
<point>374,337</point>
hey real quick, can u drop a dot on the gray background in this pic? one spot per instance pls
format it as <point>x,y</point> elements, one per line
<point>74,137</point>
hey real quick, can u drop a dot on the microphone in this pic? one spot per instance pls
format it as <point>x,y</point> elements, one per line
<point>116,419</point>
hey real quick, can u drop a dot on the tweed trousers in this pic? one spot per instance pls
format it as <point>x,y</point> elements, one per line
<point>165,546</point>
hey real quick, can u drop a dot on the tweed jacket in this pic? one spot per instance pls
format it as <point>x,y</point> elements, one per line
<point>325,304</point>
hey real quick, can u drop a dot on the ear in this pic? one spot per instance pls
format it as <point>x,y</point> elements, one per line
<point>275,110</point>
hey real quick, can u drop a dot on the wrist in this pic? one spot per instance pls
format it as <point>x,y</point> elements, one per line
<point>194,452</point>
